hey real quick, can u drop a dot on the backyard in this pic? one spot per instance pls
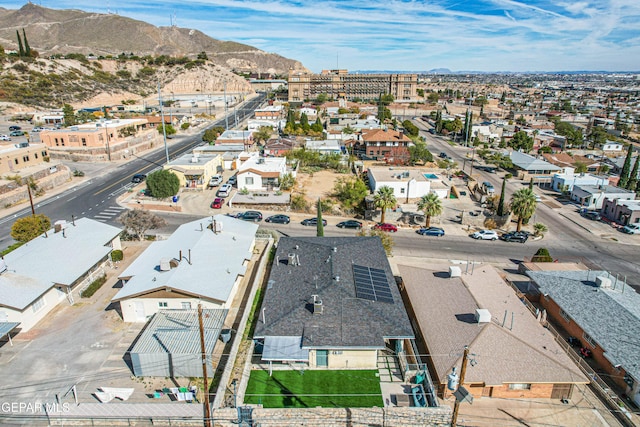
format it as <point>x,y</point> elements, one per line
<point>308,389</point>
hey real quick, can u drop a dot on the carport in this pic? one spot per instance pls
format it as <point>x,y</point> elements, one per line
<point>6,328</point>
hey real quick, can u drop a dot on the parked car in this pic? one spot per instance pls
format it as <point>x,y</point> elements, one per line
<point>485,235</point>
<point>14,127</point>
<point>443,155</point>
<point>224,190</point>
<point>233,180</point>
<point>278,219</point>
<point>215,181</point>
<point>16,133</point>
<point>5,138</point>
<point>351,223</point>
<point>37,129</point>
<point>313,221</point>
<point>385,226</point>
<point>631,229</point>
<point>138,178</point>
<point>254,216</point>
<point>515,236</point>
<point>431,231</point>
<point>217,203</point>
<point>592,215</point>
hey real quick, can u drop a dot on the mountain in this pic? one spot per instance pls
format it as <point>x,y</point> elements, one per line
<point>53,31</point>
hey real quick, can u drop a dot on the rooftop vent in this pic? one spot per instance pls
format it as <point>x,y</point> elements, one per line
<point>317,305</point>
<point>603,282</point>
<point>194,159</point>
<point>293,260</point>
<point>165,264</point>
<point>59,225</point>
<point>483,315</point>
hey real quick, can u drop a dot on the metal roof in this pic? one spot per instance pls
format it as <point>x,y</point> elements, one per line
<point>530,163</point>
<point>60,258</point>
<point>7,327</point>
<point>284,348</point>
<point>178,332</point>
<point>209,271</point>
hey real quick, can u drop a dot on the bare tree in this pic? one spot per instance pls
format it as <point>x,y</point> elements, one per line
<point>138,221</point>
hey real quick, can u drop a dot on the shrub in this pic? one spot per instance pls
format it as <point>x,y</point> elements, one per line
<point>299,203</point>
<point>185,126</point>
<point>542,255</point>
<point>117,255</point>
<point>94,286</point>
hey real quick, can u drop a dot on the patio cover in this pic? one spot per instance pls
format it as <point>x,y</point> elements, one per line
<point>6,328</point>
<point>284,349</point>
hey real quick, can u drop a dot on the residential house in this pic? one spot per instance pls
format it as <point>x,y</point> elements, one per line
<point>16,157</point>
<point>592,197</point>
<point>271,112</point>
<point>262,173</point>
<point>532,167</point>
<point>612,147</point>
<point>621,211</point>
<point>279,147</point>
<point>388,145</point>
<point>235,137</point>
<point>602,312</point>
<point>511,354</point>
<point>169,345</point>
<point>254,125</point>
<point>230,154</point>
<point>194,170</point>
<point>567,179</point>
<point>331,302</point>
<point>58,264</point>
<point>564,160</point>
<point>326,146</point>
<point>203,261</point>
<point>407,183</point>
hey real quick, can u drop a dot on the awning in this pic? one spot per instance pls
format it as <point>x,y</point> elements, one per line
<point>284,349</point>
<point>6,328</point>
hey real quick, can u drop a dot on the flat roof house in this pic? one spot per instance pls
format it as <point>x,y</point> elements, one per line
<point>622,211</point>
<point>511,354</point>
<point>194,170</point>
<point>203,261</point>
<point>407,183</point>
<point>331,302</point>
<point>601,311</point>
<point>258,173</point>
<point>56,265</point>
<point>593,196</point>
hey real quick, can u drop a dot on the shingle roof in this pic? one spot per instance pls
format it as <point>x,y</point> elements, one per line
<point>60,258</point>
<point>512,348</point>
<point>379,135</point>
<point>216,260</point>
<point>610,316</point>
<point>346,321</point>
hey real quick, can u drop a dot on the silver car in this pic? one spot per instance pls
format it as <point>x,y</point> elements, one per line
<point>485,235</point>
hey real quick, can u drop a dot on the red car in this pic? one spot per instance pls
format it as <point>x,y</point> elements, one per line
<point>384,226</point>
<point>217,203</point>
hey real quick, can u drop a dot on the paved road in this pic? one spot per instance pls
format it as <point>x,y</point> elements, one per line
<point>96,198</point>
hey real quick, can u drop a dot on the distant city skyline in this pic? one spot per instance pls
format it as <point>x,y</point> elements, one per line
<point>483,35</point>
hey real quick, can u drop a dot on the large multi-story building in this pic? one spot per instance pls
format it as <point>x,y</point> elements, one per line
<point>341,84</point>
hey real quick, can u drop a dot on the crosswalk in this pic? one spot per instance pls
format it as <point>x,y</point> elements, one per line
<point>109,214</point>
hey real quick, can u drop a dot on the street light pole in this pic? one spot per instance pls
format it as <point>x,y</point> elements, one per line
<point>164,125</point>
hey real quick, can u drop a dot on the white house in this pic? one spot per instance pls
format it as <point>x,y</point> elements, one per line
<point>593,196</point>
<point>566,180</point>
<point>326,146</point>
<point>203,261</point>
<point>255,124</point>
<point>56,265</point>
<point>406,183</point>
<point>612,147</point>
<point>258,173</point>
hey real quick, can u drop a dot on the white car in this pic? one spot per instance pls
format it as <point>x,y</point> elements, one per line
<point>215,181</point>
<point>5,138</point>
<point>485,235</point>
<point>631,228</point>
<point>224,190</point>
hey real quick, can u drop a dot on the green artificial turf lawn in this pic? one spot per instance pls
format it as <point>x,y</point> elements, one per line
<point>293,389</point>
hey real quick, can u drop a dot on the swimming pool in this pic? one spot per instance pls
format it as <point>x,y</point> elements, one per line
<point>430,176</point>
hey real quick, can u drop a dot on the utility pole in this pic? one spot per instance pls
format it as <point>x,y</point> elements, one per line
<point>226,116</point>
<point>33,210</point>
<point>207,409</point>
<point>463,371</point>
<point>164,125</point>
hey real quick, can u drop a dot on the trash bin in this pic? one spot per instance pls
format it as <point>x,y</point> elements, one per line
<point>175,199</point>
<point>225,335</point>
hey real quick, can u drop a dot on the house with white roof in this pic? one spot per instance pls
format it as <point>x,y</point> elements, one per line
<point>326,146</point>
<point>258,173</point>
<point>593,196</point>
<point>203,261</point>
<point>532,167</point>
<point>195,170</point>
<point>567,179</point>
<point>407,183</point>
<point>54,266</point>
<point>612,147</point>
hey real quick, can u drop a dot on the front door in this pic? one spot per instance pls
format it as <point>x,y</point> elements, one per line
<point>322,358</point>
<point>139,308</point>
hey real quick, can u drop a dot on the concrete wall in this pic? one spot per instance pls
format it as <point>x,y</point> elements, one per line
<point>151,306</point>
<point>348,359</point>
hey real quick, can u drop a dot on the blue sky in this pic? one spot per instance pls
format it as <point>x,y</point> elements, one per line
<point>483,35</point>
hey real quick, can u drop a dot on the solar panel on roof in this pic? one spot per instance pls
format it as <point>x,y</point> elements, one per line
<point>372,284</point>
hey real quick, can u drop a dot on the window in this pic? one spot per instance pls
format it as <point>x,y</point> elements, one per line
<point>589,340</point>
<point>62,141</point>
<point>402,191</point>
<point>565,316</point>
<point>519,386</point>
<point>84,142</point>
<point>162,304</point>
<point>44,154</point>
<point>16,161</point>
<point>25,158</point>
<point>35,155</point>
<point>38,304</point>
<point>56,140</point>
<point>248,180</point>
<point>186,305</point>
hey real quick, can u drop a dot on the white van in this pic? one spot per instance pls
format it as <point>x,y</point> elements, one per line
<point>487,188</point>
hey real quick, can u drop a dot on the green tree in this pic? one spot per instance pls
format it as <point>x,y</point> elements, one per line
<point>418,153</point>
<point>433,97</point>
<point>384,199</point>
<point>210,135</point>
<point>69,115</point>
<point>202,55</point>
<point>20,47</point>
<point>385,238</point>
<point>539,229</point>
<point>431,205</point>
<point>468,124</point>
<point>287,181</point>
<point>522,141</point>
<point>27,48</point>
<point>319,225</point>
<point>317,125</point>
<point>598,136</point>
<point>420,92</point>
<point>263,134</point>
<point>500,211</point>
<point>169,129</point>
<point>163,183</point>
<point>542,255</point>
<point>350,192</point>
<point>580,167</point>
<point>633,177</point>
<point>138,221</point>
<point>30,227</point>
<point>304,122</point>
<point>410,128</point>
<point>523,205</point>
<point>321,99</point>
<point>624,175</point>
<point>456,126</point>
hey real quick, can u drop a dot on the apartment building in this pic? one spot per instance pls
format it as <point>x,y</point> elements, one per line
<point>341,84</point>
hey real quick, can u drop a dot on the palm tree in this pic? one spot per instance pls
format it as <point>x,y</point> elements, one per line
<point>384,199</point>
<point>523,205</point>
<point>431,205</point>
<point>539,229</point>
